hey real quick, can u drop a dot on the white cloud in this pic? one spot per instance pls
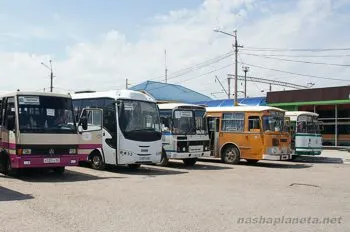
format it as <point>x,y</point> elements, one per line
<point>189,38</point>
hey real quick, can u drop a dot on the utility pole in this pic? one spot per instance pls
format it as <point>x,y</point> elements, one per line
<point>236,66</point>
<point>165,68</point>
<point>236,46</point>
<point>229,88</point>
<point>270,87</point>
<point>245,70</point>
<point>51,74</point>
<point>126,83</point>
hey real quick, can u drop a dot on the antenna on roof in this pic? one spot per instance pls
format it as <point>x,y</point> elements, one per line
<point>165,68</point>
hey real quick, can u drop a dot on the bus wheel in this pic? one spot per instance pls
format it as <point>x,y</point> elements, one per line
<point>59,170</point>
<point>9,170</point>
<point>96,161</point>
<point>252,161</point>
<point>230,155</point>
<point>190,162</point>
<point>164,160</point>
<point>134,166</point>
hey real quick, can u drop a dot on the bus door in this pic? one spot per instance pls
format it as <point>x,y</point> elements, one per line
<point>254,137</point>
<point>90,130</point>
<point>213,127</point>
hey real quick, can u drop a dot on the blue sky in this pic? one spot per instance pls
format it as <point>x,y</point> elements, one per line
<point>97,44</point>
<point>44,26</point>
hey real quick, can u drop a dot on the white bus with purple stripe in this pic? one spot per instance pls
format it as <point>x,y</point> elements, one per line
<point>130,133</point>
<point>185,134</point>
<point>37,131</point>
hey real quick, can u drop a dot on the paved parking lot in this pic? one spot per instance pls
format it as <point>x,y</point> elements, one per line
<point>208,197</point>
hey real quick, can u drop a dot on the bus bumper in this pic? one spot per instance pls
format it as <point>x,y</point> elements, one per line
<point>43,161</point>
<point>308,151</point>
<point>187,155</point>
<point>277,157</point>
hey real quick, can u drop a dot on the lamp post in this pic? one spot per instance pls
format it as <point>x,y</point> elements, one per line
<point>236,46</point>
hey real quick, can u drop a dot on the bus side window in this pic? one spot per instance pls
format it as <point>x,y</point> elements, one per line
<point>10,120</point>
<point>254,123</point>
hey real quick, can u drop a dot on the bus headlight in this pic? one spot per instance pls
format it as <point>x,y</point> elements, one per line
<point>24,151</point>
<point>72,151</point>
<point>27,151</point>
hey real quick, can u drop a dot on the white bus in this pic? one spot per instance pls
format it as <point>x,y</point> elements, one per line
<point>131,132</point>
<point>37,131</point>
<point>185,134</point>
<point>305,133</point>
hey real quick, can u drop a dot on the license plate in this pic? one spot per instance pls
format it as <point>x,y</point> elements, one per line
<point>195,148</point>
<point>144,158</point>
<point>52,160</point>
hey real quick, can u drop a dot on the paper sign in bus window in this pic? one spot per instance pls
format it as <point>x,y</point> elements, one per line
<point>28,100</point>
<point>183,114</point>
<point>50,112</point>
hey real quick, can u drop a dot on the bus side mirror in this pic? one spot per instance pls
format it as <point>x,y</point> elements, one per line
<point>10,122</point>
<point>83,122</point>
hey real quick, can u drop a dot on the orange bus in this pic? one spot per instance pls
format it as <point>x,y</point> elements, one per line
<point>252,133</point>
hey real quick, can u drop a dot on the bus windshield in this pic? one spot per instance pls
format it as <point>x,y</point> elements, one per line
<point>184,122</point>
<point>273,123</point>
<point>308,124</point>
<point>189,122</point>
<point>45,114</point>
<point>138,116</point>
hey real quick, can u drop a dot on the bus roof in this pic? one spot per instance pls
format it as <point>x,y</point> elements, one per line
<point>171,106</point>
<point>295,114</point>
<point>115,94</point>
<point>242,109</point>
<point>49,94</point>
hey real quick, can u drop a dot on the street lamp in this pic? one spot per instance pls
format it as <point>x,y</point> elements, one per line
<point>234,35</point>
<point>245,70</point>
<point>51,73</point>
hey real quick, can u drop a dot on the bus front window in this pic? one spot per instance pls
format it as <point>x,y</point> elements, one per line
<point>273,123</point>
<point>138,116</point>
<point>183,122</point>
<point>44,114</point>
<point>201,122</point>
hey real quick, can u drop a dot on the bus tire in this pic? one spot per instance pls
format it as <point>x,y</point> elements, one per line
<point>59,170</point>
<point>190,162</point>
<point>9,171</point>
<point>252,161</point>
<point>97,161</point>
<point>164,160</point>
<point>134,166</point>
<point>230,155</point>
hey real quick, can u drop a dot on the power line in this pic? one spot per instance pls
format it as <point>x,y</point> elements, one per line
<point>203,74</point>
<point>204,64</point>
<point>306,56</point>
<point>297,61</point>
<point>298,74</point>
<point>271,82</point>
<point>297,49</point>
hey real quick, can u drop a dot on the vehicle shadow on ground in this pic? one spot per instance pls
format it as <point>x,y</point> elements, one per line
<point>148,170</point>
<point>265,164</point>
<point>34,175</point>
<point>318,160</point>
<point>11,195</point>
<point>198,166</point>
<point>271,164</point>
